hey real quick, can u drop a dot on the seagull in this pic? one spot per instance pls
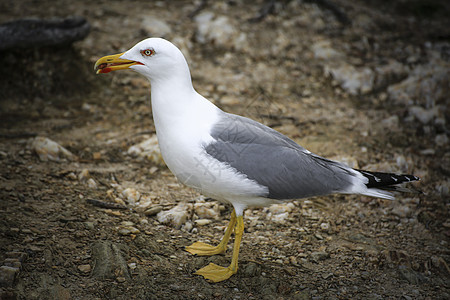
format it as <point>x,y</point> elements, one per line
<point>229,157</point>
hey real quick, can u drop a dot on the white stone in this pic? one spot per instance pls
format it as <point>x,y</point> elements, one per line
<point>84,175</point>
<point>402,163</point>
<point>218,30</point>
<point>47,150</point>
<point>323,50</point>
<point>392,71</point>
<point>131,195</point>
<point>281,208</point>
<point>207,210</point>
<point>391,123</point>
<point>423,115</point>
<point>91,183</point>
<point>426,85</point>
<point>155,27</point>
<point>401,211</point>
<point>279,218</point>
<point>128,230</point>
<point>145,202</point>
<point>441,140</point>
<point>149,150</point>
<point>278,213</point>
<point>202,222</point>
<point>351,79</point>
<point>325,226</point>
<point>188,226</point>
<point>176,216</point>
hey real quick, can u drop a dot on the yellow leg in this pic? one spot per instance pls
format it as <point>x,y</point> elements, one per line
<point>200,248</point>
<point>217,273</point>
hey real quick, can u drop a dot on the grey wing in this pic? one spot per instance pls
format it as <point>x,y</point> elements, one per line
<point>273,160</point>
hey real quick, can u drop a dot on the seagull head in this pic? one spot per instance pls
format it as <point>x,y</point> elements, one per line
<point>155,58</point>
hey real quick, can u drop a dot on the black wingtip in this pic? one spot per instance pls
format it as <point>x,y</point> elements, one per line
<point>380,179</point>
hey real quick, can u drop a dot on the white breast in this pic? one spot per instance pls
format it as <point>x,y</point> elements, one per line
<point>183,131</point>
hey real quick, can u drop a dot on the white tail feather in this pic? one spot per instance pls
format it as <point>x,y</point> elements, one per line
<point>379,194</point>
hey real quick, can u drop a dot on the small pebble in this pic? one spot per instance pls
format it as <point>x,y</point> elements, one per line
<point>176,216</point>
<point>119,201</point>
<point>202,222</point>
<point>128,230</point>
<point>91,183</point>
<point>188,226</point>
<point>319,255</point>
<point>153,210</point>
<point>84,268</point>
<point>71,176</point>
<point>131,195</point>
<point>207,210</point>
<point>84,175</point>
<point>47,150</point>
<point>325,226</point>
<point>441,140</point>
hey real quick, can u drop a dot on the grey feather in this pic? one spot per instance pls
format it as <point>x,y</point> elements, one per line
<point>275,161</point>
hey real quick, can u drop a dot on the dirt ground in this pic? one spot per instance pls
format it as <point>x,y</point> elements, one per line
<point>336,247</point>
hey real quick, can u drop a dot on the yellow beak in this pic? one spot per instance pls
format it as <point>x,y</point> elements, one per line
<point>110,63</point>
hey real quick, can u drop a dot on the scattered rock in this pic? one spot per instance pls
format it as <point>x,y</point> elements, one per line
<point>424,116</point>
<point>188,226</point>
<point>441,140</point>
<point>84,268</point>
<point>47,150</point>
<point>281,208</point>
<point>202,222</point>
<point>84,175</point>
<point>391,123</point>
<point>71,176</point>
<point>401,211</point>
<point>207,210</point>
<point>149,150</point>
<point>91,183</point>
<point>323,50</point>
<point>89,225</point>
<point>218,30</point>
<point>13,262</point>
<point>388,73</point>
<point>155,27</point>
<point>279,213</point>
<point>127,230</point>
<point>319,255</point>
<point>145,201</point>
<point>153,210</point>
<point>176,216</point>
<point>351,79</point>
<point>325,226</point>
<point>426,85</point>
<point>131,195</point>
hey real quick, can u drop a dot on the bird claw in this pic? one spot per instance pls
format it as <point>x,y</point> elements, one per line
<point>203,249</point>
<point>216,273</point>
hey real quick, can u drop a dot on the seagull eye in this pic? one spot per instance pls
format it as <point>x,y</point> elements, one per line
<point>147,52</point>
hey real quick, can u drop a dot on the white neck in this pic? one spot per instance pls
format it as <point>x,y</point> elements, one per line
<point>175,101</point>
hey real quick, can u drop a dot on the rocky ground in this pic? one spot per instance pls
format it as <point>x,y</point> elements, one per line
<point>89,211</point>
